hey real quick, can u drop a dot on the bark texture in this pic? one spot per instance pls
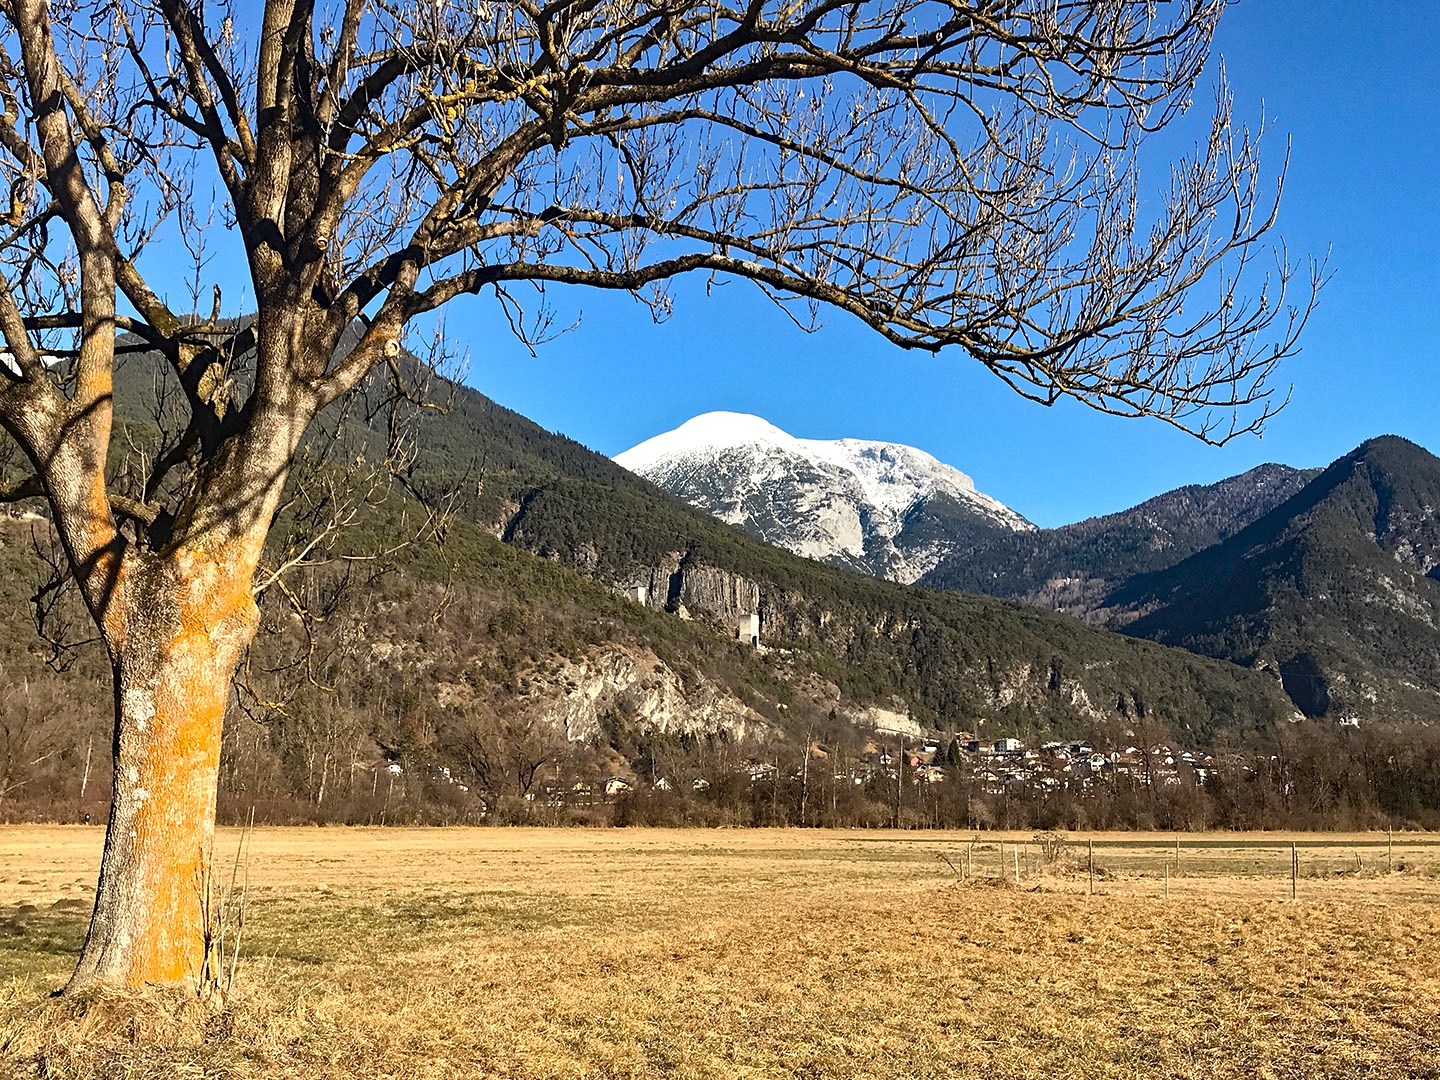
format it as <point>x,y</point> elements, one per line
<point>187,617</point>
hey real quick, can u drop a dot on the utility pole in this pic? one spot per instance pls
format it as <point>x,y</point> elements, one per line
<point>899,761</point>
<point>805,778</point>
<point>775,792</point>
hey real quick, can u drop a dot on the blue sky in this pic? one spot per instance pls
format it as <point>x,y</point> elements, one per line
<point>1353,85</point>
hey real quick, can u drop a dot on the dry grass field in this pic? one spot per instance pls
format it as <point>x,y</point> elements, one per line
<point>520,953</point>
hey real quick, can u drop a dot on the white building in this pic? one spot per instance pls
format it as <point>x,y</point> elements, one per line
<point>747,629</point>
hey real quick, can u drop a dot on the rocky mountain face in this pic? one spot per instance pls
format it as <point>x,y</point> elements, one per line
<point>906,660</point>
<point>1328,581</point>
<point>1334,591</point>
<point>873,507</point>
<point>1073,568</point>
<point>578,696</point>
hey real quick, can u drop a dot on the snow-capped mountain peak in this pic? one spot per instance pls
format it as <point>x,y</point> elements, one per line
<point>712,430</point>
<point>884,508</point>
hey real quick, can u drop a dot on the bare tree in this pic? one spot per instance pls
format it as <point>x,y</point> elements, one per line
<point>26,736</point>
<point>950,173</point>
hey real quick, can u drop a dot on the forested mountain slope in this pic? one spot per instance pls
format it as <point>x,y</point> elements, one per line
<point>1073,567</point>
<point>946,660</point>
<point>579,623</point>
<point>1336,589</point>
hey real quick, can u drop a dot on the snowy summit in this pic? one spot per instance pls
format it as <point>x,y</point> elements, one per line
<point>882,508</point>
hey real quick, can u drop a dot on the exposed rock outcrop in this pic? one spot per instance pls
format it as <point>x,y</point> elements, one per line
<point>704,591</point>
<point>718,593</point>
<point>635,690</point>
<point>886,721</point>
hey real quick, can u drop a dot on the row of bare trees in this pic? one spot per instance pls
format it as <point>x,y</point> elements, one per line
<point>399,759</point>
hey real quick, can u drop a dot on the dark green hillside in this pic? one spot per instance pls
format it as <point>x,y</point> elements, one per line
<point>1071,568</point>
<point>949,660</point>
<point>490,672</point>
<point>463,683</point>
<point>1335,589</point>
<point>952,659</point>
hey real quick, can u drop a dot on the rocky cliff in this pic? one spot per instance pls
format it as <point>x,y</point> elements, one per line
<point>634,689</point>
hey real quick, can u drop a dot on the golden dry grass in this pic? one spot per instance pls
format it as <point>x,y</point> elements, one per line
<point>518,953</point>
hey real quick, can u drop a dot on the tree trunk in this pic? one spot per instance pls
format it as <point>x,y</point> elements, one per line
<point>184,618</point>
<point>85,776</point>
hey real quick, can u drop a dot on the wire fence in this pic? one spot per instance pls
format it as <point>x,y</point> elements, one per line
<point>1180,863</point>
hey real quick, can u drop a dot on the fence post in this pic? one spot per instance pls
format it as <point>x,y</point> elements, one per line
<point>1016,852</point>
<point>1090,849</point>
<point>1390,849</point>
<point>1167,881</point>
<point>1294,868</point>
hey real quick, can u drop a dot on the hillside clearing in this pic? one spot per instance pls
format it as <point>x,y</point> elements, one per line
<point>637,953</point>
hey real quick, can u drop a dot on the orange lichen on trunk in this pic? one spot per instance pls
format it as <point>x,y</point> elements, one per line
<point>188,616</point>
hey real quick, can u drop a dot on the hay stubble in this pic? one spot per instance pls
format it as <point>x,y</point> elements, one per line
<point>512,953</point>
